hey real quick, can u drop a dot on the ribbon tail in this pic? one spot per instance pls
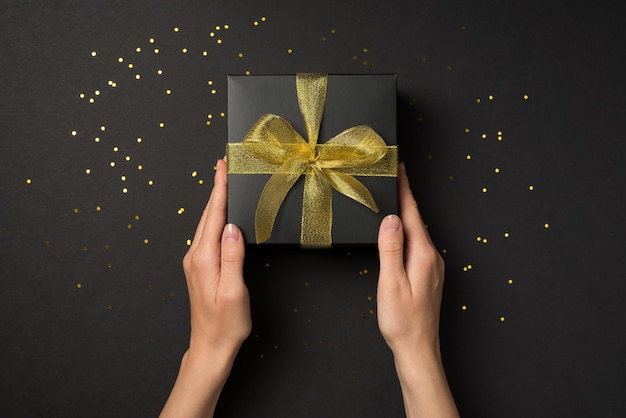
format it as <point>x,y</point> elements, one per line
<point>352,188</point>
<point>272,197</point>
<point>317,212</point>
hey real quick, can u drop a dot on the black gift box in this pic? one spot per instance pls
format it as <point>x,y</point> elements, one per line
<point>351,100</point>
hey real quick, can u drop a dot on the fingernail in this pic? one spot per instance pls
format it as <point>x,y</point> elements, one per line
<point>391,223</point>
<point>231,234</point>
<point>225,158</point>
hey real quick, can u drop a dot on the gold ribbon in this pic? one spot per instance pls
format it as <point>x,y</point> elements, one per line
<point>274,147</point>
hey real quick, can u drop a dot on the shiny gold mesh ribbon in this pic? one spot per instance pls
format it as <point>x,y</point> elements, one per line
<point>274,147</point>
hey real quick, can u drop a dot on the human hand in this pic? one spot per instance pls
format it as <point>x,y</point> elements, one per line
<point>219,300</point>
<point>220,308</point>
<point>411,277</point>
<point>409,302</point>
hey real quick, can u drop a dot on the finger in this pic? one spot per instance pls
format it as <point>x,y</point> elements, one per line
<point>418,245</point>
<point>414,228</point>
<point>200,227</point>
<point>211,234</point>
<point>232,256</point>
<point>391,250</point>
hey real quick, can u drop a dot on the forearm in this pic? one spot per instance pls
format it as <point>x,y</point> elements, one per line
<point>200,380</point>
<point>425,389</point>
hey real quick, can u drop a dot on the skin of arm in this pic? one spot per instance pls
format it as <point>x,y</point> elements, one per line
<point>220,308</point>
<point>409,301</point>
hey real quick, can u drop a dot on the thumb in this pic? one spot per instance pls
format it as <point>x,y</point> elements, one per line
<point>232,254</point>
<point>391,248</point>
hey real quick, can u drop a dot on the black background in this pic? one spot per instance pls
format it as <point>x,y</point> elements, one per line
<point>94,319</point>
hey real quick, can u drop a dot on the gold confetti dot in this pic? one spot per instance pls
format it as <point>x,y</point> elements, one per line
<point>510,281</point>
<point>168,91</point>
<point>478,100</point>
<point>525,97</point>
<point>490,97</point>
<point>115,149</point>
<point>484,136</point>
<point>205,53</point>
<point>546,226</point>
<point>139,139</point>
<point>464,307</point>
<point>87,171</point>
<point>145,241</point>
<point>467,130</point>
<point>91,100</point>
<point>468,157</point>
<point>465,268</point>
<point>194,173</point>
<point>98,208</point>
<point>211,34</point>
<point>79,286</point>
<point>213,91</point>
<point>184,50</point>
<point>188,242</point>
<point>138,49</point>
<point>255,23</point>
<point>484,190</point>
<point>469,266</point>
<point>94,53</point>
<point>496,170</point>
<point>289,51</point>
<point>109,307</point>
<point>200,181</point>
<point>484,240</point>
<point>217,28</point>
<point>82,95</point>
<point>159,72</point>
<point>151,40</point>
<point>502,319</point>
<point>429,156</point>
<point>295,310</point>
<point>114,84</point>
<point>137,76</point>
<point>531,187</point>
<point>112,163</point>
<point>156,50</point>
<point>263,18</point>
<point>28,181</point>
<point>226,27</point>
<point>210,82</point>
<point>478,238</point>
<point>136,217</point>
<point>161,125</point>
<point>247,72</point>
<point>74,133</point>
<point>267,264</point>
<point>128,158</point>
<point>124,190</point>
<point>181,211</point>
<point>323,39</point>
<point>139,167</point>
<point>445,251</point>
<point>371,311</point>
<point>150,182</point>
<point>120,59</point>
<point>222,114</point>
<point>450,178</point>
<point>219,41</point>
<point>176,29</point>
<point>130,66</point>
<point>240,55</point>
<point>123,178</point>
<point>97,92</point>
<point>354,58</point>
<point>75,210</point>
<point>96,139</point>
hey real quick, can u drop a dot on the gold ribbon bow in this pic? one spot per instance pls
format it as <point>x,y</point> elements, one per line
<point>274,147</point>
